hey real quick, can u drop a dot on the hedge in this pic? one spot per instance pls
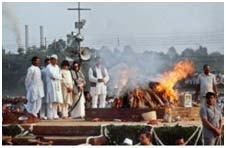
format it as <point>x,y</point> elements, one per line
<point>167,134</point>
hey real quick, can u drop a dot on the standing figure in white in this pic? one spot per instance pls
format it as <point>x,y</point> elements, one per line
<point>98,77</point>
<point>34,87</point>
<point>54,91</point>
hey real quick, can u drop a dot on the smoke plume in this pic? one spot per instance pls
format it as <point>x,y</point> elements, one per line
<point>8,13</point>
<point>129,69</point>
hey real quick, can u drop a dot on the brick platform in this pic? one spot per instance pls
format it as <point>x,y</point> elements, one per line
<point>127,114</point>
<point>75,131</point>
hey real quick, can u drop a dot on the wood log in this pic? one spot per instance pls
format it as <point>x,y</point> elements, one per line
<point>148,99</point>
<point>156,97</point>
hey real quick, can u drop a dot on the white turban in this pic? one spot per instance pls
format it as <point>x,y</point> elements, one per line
<point>54,56</point>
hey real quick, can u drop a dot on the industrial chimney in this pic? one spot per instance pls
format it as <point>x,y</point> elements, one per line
<point>26,37</point>
<point>41,37</point>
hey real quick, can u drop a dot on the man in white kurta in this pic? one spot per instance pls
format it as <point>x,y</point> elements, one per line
<point>34,87</point>
<point>98,77</point>
<point>54,92</point>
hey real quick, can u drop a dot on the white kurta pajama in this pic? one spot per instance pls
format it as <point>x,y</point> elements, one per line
<point>43,110</point>
<point>79,110</point>
<point>35,91</point>
<point>54,91</point>
<point>66,83</point>
<point>100,90</point>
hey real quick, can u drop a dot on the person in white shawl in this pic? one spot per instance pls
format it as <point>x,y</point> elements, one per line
<point>34,87</point>
<point>67,88</point>
<point>54,91</point>
<point>78,107</point>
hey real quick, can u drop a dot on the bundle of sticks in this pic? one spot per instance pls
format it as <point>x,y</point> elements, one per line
<point>142,98</point>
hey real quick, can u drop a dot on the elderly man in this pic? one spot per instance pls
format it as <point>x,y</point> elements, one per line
<point>98,77</point>
<point>54,91</point>
<point>34,87</point>
<point>206,83</point>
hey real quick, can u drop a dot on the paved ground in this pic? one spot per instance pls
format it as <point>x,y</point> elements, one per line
<point>81,122</point>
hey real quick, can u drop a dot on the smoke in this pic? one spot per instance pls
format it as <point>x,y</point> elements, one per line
<point>129,69</point>
<point>9,14</point>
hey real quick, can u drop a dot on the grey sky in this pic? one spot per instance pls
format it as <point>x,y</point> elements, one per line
<point>144,26</point>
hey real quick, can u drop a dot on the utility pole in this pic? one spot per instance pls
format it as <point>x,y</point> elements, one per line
<point>41,36</point>
<point>79,24</point>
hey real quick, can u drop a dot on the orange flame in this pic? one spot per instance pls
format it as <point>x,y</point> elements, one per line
<point>167,81</point>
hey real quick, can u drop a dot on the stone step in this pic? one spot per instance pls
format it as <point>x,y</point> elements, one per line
<point>57,140</point>
<point>65,130</point>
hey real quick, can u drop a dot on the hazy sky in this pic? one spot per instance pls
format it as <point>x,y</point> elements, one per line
<point>144,26</point>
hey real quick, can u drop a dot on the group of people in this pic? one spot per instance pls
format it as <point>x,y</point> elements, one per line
<point>145,139</point>
<point>56,92</point>
<point>210,113</point>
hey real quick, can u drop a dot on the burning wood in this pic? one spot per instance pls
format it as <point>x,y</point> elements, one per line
<point>180,70</point>
<point>157,93</point>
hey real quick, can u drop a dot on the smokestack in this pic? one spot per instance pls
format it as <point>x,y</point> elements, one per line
<point>26,37</point>
<point>41,37</point>
<point>45,43</point>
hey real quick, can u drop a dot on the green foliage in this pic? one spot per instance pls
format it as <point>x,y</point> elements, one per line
<point>117,134</point>
<point>11,130</point>
<point>169,135</point>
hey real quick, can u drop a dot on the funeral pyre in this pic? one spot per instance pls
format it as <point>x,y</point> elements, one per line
<point>154,94</point>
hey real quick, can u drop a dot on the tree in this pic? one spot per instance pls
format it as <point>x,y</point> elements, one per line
<point>215,54</point>
<point>21,51</point>
<point>188,52</point>
<point>128,49</point>
<point>201,52</point>
<point>172,53</point>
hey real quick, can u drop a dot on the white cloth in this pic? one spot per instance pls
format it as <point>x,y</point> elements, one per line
<point>102,102</point>
<point>34,107</point>
<point>66,83</point>
<point>101,87</point>
<point>54,92</point>
<point>65,110</point>
<point>100,90</point>
<point>52,111</point>
<point>43,110</point>
<point>79,110</point>
<point>44,73</point>
<point>35,90</point>
<point>206,83</point>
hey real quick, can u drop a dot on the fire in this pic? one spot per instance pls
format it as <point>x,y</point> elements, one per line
<point>122,82</point>
<point>167,81</point>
